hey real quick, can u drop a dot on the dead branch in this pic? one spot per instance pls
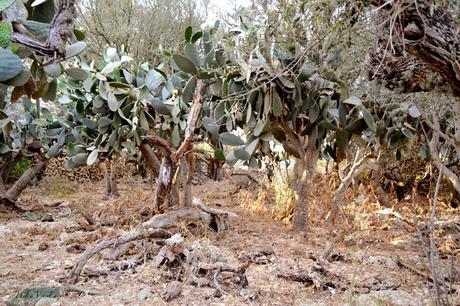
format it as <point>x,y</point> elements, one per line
<point>217,268</point>
<point>214,218</point>
<point>112,243</point>
<point>344,184</point>
<point>312,280</point>
<point>60,26</point>
<point>10,197</point>
<point>171,219</point>
<point>151,159</point>
<point>60,31</point>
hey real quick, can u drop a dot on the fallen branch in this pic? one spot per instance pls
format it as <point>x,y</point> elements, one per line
<point>171,219</point>
<point>214,218</point>
<point>249,175</point>
<point>239,271</point>
<point>126,238</point>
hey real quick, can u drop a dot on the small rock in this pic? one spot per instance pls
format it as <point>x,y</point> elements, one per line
<point>65,212</point>
<point>75,249</point>
<point>144,294</point>
<point>47,218</point>
<point>173,291</point>
<point>31,216</point>
<point>45,301</point>
<point>43,246</point>
<point>249,294</point>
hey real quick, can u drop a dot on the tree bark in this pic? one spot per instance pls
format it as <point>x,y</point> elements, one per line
<point>171,158</point>
<point>110,178</point>
<point>8,165</point>
<point>188,181</point>
<point>305,171</point>
<point>300,216</point>
<point>216,172</point>
<point>107,177</point>
<point>15,191</point>
<point>151,159</point>
<point>165,182</point>
<point>418,46</point>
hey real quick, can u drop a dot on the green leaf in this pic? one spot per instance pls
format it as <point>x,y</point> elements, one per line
<point>112,102</point>
<point>210,125</point>
<point>92,157</point>
<point>189,90</point>
<point>79,159</point>
<point>231,159</point>
<point>79,35</point>
<point>219,155</point>
<point>356,126</point>
<point>75,49</point>
<point>10,65</point>
<point>286,83</point>
<point>38,29</point>
<point>196,36</point>
<point>77,73</point>
<point>242,154</point>
<point>408,133</point>
<point>367,116</point>
<point>5,34</point>
<point>19,80</point>
<point>188,34</point>
<point>277,107</point>
<point>53,70</point>
<point>104,121</point>
<point>4,148</point>
<point>53,150</point>
<point>313,112</point>
<point>4,4</point>
<point>160,107</point>
<point>80,108</point>
<point>259,127</point>
<point>252,146</point>
<point>327,125</point>
<point>353,100</point>
<point>230,139</point>
<point>175,137</point>
<point>191,53</point>
<point>306,72</point>
<point>153,79</point>
<point>278,133</point>
<point>184,64</point>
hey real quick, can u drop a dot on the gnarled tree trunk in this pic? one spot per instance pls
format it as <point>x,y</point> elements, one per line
<point>418,46</point>
<point>188,183</point>
<point>171,158</point>
<point>11,196</point>
<point>216,171</point>
<point>304,172</point>
<point>151,159</point>
<point>110,178</point>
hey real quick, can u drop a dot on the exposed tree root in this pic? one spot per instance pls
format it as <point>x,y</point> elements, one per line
<point>128,237</point>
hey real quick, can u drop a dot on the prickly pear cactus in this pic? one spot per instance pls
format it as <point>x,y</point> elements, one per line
<point>5,34</point>
<point>4,4</point>
<point>10,65</point>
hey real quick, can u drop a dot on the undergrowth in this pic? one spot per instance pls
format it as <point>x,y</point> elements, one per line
<point>19,169</point>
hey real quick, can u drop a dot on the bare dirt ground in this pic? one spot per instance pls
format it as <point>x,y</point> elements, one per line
<point>378,260</point>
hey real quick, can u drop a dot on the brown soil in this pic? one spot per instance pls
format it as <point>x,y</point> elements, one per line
<point>362,256</point>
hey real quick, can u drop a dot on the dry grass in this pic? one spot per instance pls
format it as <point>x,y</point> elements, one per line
<point>367,246</point>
